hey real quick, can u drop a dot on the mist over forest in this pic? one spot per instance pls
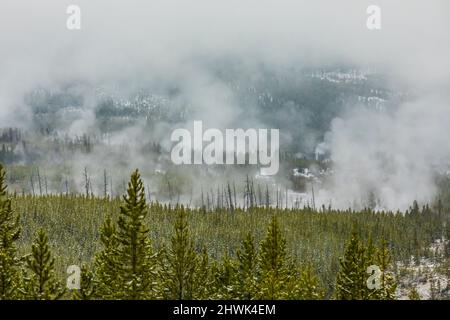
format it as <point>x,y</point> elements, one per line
<point>350,199</point>
<point>363,118</point>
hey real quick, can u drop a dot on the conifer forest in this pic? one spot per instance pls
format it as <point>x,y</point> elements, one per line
<point>222,150</point>
<point>129,248</point>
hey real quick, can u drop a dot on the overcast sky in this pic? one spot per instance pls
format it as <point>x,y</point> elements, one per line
<point>135,38</point>
<point>131,41</point>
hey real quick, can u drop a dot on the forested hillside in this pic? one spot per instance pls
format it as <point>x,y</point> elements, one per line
<point>130,249</point>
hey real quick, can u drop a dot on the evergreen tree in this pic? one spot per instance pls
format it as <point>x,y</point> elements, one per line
<point>351,279</point>
<point>106,262</point>
<point>202,277</point>
<point>87,286</point>
<point>223,275</point>
<point>181,265</point>
<point>246,281</point>
<point>368,259</point>
<point>388,284</point>
<point>413,294</point>
<point>307,286</point>
<point>127,263</point>
<point>9,234</point>
<point>273,272</point>
<point>40,282</point>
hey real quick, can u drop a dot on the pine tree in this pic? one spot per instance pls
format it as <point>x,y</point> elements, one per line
<point>273,273</point>
<point>223,279</point>
<point>127,263</point>
<point>413,294</point>
<point>181,264</point>
<point>307,286</point>
<point>40,282</point>
<point>202,277</point>
<point>246,281</point>
<point>9,234</point>
<point>87,286</point>
<point>136,267</point>
<point>351,279</point>
<point>106,262</point>
<point>368,259</point>
<point>388,284</point>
